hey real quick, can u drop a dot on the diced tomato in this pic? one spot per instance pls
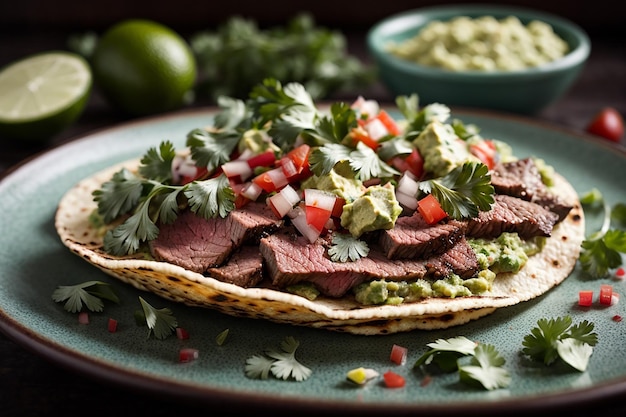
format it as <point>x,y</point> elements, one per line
<point>607,123</point>
<point>319,207</point>
<point>300,156</point>
<point>272,180</point>
<point>431,210</point>
<point>486,151</point>
<point>317,217</point>
<point>265,159</point>
<point>585,298</point>
<point>606,294</point>
<point>393,380</point>
<point>389,123</point>
<point>338,207</point>
<point>620,273</point>
<point>617,318</point>
<point>188,354</point>
<point>360,135</point>
<point>415,163</point>
<point>298,219</point>
<point>182,334</point>
<point>112,325</point>
<point>398,354</point>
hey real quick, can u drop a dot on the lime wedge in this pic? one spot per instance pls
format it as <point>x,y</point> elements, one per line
<point>43,94</point>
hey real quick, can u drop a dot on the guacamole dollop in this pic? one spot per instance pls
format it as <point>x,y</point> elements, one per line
<point>376,209</point>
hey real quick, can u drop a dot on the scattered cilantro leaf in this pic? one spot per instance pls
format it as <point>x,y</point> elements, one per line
<point>280,363</point>
<point>485,365</point>
<point>557,338</point>
<point>602,250</point>
<point>346,247</point>
<point>486,368</point>
<point>89,293</point>
<point>463,191</point>
<point>161,322</point>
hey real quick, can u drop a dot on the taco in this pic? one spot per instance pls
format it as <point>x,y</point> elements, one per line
<point>343,219</point>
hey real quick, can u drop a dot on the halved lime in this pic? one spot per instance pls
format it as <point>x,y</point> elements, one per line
<point>42,94</point>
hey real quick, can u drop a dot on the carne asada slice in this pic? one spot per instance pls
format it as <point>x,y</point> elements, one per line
<point>195,243</point>
<point>290,259</point>
<point>522,179</point>
<point>244,268</point>
<point>512,214</point>
<point>412,237</point>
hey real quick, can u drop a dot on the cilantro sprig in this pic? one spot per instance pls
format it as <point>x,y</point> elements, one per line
<point>89,294</point>
<point>602,250</point>
<point>464,191</point>
<point>559,338</point>
<point>280,363</point>
<point>477,363</point>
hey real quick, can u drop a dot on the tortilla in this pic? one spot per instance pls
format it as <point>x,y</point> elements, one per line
<point>541,273</point>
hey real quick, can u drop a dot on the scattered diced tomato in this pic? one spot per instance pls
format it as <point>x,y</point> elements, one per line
<point>398,354</point>
<point>606,294</point>
<point>393,380</point>
<point>188,354</point>
<point>431,210</point>
<point>620,273</point>
<point>585,298</point>
<point>617,318</point>
<point>608,124</point>
<point>182,334</point>
<point>112,325</point>
<point>83,317</point>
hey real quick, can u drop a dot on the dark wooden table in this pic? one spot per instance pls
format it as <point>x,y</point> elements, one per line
<point>31,385</point>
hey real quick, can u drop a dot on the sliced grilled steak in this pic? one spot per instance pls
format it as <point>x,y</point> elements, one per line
<point>413,238</point>
<point>512,214</point>
<point>290,258</point>
<point>522,179</point>
<point>197,244</point>
<point>244,268</point>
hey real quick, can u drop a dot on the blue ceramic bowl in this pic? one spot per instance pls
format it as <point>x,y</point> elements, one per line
<point>525,91</point>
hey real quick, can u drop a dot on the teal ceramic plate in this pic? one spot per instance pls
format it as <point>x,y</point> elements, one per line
<point>33,262</point>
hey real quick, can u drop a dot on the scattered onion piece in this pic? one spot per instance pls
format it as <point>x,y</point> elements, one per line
<point>83,317</point>
<point>361,376</point>
<point>398,354</point>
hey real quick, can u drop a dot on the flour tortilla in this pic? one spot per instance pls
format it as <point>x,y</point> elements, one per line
<point>542,272</point>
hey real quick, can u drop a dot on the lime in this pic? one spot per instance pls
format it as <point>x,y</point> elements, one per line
<point>42,94</point>
<point>143,67</point>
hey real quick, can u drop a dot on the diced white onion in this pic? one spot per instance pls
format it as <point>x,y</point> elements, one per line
<point>376,129</point>
<point>291,195</point>
<point>407,201</point>
<point>407,185</point>
<point>300,223</point>
<point>238,167</point>
<point>251,191</point>
<point>368,108</point>
<point>278,177</point>
<point>320,199</point>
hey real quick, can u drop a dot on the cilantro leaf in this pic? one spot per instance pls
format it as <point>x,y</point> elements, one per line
<point>463,191</point>
<point>280,363</point>
<point>486,367</point>
<point>551,340</point>
<point>211,197</point>
<point>88,293</point>
<point>127,237</point>
<point>445,353</point>
<point>156,164</point>
<point>211,149</point>
<point>418,119</point>
<point>346,247</point>
<point>324,158</point>
<point>161,322</point>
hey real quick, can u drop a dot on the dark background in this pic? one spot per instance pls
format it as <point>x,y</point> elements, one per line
<point>33,385</point>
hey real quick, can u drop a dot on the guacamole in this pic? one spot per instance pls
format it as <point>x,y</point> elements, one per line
<point>441,149</point>
<point>377,208</point>
<point>482,44</point>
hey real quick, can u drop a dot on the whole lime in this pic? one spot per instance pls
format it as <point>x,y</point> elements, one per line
<point>143,67</point>
<point>42,94</point>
